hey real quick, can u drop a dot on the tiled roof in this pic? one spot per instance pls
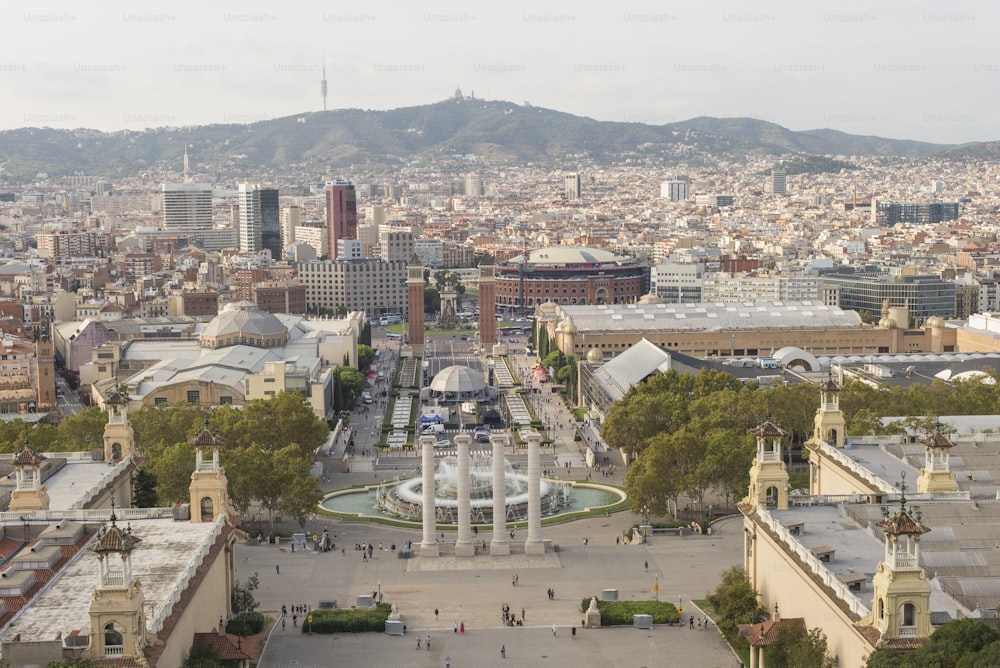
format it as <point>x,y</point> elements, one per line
<point>938,440</point>
<point>27,456</point>
<point>767,633</point>
<point>768,430</point>
<point>901,522</point>
<point>115,539</point>
<point>229,647</point>
<point>903,643</point>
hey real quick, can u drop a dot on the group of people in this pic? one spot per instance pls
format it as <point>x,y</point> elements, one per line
<point>509,618</point>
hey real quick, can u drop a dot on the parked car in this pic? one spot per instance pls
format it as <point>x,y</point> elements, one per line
<point>443,443</point>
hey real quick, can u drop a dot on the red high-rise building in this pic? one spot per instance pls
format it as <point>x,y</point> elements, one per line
<point>341,213</point>
<point>487,306</point>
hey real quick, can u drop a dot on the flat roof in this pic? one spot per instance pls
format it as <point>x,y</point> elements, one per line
<point>159,562</point>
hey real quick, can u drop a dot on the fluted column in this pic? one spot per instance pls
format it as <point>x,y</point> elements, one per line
<point>464,546</point>
<point>534,544</point>
<point>500,545</point>
<point>429,546</point>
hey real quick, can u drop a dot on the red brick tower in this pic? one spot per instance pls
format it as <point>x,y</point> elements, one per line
<point>415,302</point>
<point>487,307</point>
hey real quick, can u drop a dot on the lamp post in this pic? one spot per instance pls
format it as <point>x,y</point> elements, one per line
<point>379,591</point>
<point>656,586</point>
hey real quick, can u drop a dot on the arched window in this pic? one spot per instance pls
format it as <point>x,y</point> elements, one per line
<point>771,496</point>
<point>909,616</point>
<point>112,637</point>
<point>207,509</point>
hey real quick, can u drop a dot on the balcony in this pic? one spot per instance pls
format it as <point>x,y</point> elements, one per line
<point>907,631</point>
<point>114,650</point>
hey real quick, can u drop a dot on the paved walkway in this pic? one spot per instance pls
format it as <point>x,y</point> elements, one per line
<point>472,590</point>
<point>685,568</point>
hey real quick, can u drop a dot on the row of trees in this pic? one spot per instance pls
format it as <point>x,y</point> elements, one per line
<point>267,450</point>
<point>691,433</point>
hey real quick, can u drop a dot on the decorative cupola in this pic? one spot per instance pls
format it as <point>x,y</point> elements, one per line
<point>119,438</point>
<point>901,598</point>
<point>830,425</point>
<point>936,475</point>
<point>768,475</point>
<point>117,619</point>
<point>29,492</point>
<point>209,487</point>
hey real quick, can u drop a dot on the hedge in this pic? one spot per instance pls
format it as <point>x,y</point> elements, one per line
<point>619,613</point>
<point>350,620</point>
<point>246,624</point>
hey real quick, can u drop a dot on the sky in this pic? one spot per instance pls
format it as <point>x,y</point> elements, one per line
<point>919,70</point>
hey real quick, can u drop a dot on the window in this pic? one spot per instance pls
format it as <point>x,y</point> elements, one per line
<point>159,401</point>
<point>225,401</point>
<point>193,396</point>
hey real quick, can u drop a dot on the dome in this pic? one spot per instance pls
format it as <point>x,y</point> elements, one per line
<point>887,323</point>
<point>458,382</point>
<point>559,255</point>
<point>244,323</point>
<point>935,322</point>
<point>594,355</point>
<point>569,328</point>
<point>548,308</point>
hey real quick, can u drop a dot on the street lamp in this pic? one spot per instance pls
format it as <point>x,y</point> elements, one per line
<point>656,586</point>
<point>379,591</point>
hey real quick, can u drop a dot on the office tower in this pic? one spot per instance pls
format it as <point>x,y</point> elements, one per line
<point>291,217</point>
<point>258,220</point>
<point>395,244</point>
<point>675,191</point>
<point>571,186</point>
<point>270,222</point>
<point>473,185</point>
<point>341,213</point>
<point>778,185</point>
<point>187,205</point>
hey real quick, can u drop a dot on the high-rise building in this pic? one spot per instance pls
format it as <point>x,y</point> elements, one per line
<point>675,191</point>
<point>778,182</point>
<point>571,186</point>
<point>187,205</point>
<point>395,244</point>
<point>473,185</point>
<point>291,217</point>
<point>341,213</point>
<point>259,216</point>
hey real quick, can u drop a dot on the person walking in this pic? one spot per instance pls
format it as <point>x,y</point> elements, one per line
<point>503,651</point>
<point>419,640</point>
<point>447,662</point>
<point>646,564</point>
<point>428,642</point>
<point>282,622</point>
<point>553,630</point>
<point>573,631</point>
<point>277,569</point>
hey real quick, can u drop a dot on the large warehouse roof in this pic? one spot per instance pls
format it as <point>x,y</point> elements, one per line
<point>561,255</point>
<point>706,316</point>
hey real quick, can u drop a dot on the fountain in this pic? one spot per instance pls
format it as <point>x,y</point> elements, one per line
<point>405,499</point>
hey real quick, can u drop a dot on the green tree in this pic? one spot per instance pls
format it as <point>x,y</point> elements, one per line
<point>144,489</point>
<point>172,466</point>
<point>242,597</point>
<point>300,498</point>
<point>352,381</point>
<point>165,425</point>
<point>797,648</point>
<point>737,603</point>
<point>957,643</point>
<point>432,299</point>
<point>83,431</point>
<point>203,655</point>
<point>366,355</point>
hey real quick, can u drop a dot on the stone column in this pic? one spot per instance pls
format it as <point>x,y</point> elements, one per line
<point>500,545</point>
<point>464,547</point>
<point>534,544</point>
<point>429,546</point>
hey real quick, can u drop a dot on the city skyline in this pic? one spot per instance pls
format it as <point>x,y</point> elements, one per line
<point>854,67</point>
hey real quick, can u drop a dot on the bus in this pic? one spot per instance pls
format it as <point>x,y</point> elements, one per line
<point>392,336</point>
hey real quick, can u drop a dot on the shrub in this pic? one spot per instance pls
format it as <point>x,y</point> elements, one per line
<point>349,620</point>
<point>246,624</point>
<point>619,613</point>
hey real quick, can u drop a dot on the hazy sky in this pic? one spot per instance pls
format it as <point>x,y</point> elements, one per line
<point>914,70</point>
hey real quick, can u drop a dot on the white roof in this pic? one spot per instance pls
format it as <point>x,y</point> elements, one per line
<point>457,379</point>
<point>158,562</point>
<point>558,255</point>
<point>707,316</point>
<point>632,367</point>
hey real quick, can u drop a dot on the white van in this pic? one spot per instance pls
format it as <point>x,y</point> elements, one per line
<point>366,397</point>
<point>433,428</point>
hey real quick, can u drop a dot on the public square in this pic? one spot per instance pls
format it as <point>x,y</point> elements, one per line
<point>471,590</point>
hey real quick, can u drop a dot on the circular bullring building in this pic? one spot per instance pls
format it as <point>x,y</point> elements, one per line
<point>570,275</point>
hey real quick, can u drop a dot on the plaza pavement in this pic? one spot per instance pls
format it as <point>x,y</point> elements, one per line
<point>471,590</point>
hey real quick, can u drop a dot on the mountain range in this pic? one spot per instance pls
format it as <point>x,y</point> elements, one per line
<point>499,132</point>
